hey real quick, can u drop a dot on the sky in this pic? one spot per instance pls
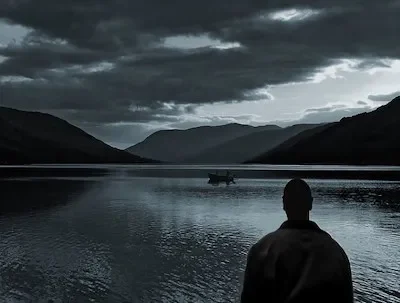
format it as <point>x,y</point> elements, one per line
<point>123,69</point>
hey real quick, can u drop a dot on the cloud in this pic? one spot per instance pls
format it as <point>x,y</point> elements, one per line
<point>331,108</point>
<point>373,63</point>
<point>329,113</point>
<point>95,61</point>
<point>384,97</point>
<point>34,58</point>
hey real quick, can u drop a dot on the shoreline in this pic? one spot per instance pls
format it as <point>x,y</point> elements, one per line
<point>388,173</point>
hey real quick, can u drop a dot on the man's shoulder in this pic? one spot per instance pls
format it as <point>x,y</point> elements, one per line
<point>267,241</point>
<point>284,236</point>
<point>267,238</point>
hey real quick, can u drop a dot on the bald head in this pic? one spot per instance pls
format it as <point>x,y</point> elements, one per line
<point>297,200</point>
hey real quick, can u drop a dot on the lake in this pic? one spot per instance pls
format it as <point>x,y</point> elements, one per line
<point>148,234</point>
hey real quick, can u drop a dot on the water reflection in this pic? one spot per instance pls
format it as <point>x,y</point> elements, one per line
<point>29,195</point>
<point>115,238</point>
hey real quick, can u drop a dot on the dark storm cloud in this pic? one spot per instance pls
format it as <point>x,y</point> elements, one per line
<point>36,54</point>
<point>384,98</point>
<point>70,37</point>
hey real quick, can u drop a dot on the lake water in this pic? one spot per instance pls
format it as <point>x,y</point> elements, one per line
<point>115,235</point>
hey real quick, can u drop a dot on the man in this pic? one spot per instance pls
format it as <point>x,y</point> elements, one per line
<point>299,262</point>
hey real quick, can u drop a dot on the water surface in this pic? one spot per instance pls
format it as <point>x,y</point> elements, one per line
<point>119,237</point>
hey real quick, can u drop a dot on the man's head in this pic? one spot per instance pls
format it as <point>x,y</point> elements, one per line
<point>297,200</point>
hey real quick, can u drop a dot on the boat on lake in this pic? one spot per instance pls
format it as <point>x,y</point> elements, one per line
<point>216,178</point>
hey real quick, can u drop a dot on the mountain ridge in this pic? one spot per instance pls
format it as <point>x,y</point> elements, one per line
<point>247,146</point>
<point>370,138</point>
<point>177,145</point>
<point>35,137</point>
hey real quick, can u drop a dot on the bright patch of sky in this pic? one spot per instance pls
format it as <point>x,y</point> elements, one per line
<point>14,79</point>
<point>339,84</point>
<point>86,69</point>
<point>200,41</point>
<point>293,15</point>
<point>333,71</point>
<point>11,34</point>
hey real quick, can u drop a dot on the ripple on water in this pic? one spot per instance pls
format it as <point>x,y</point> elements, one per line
<point>146,240</point>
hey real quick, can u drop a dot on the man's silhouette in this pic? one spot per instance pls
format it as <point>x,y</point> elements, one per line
<point>299,262</point>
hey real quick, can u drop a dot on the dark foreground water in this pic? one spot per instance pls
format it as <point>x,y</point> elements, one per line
<point>121,238</point>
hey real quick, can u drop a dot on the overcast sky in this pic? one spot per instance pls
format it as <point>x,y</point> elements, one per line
<point>121,69</point>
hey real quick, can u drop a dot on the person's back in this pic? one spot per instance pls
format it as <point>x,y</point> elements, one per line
<point>299,262</point>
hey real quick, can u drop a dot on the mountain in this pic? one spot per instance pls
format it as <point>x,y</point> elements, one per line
<point>365,139</point>
<point>33,137</point>
<point>281,148</point>
<point>178,145</point>
<point>248,146</point>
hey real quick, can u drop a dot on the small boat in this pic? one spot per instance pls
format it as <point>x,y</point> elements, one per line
<point>215,178</point>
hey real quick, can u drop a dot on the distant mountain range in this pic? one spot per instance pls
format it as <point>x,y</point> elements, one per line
<point>33,137</point>
<point>179,146</point>
<point>368,138</point>
<point>247,146</point>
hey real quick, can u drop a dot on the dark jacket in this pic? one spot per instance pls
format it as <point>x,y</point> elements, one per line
<point>297,263</point>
